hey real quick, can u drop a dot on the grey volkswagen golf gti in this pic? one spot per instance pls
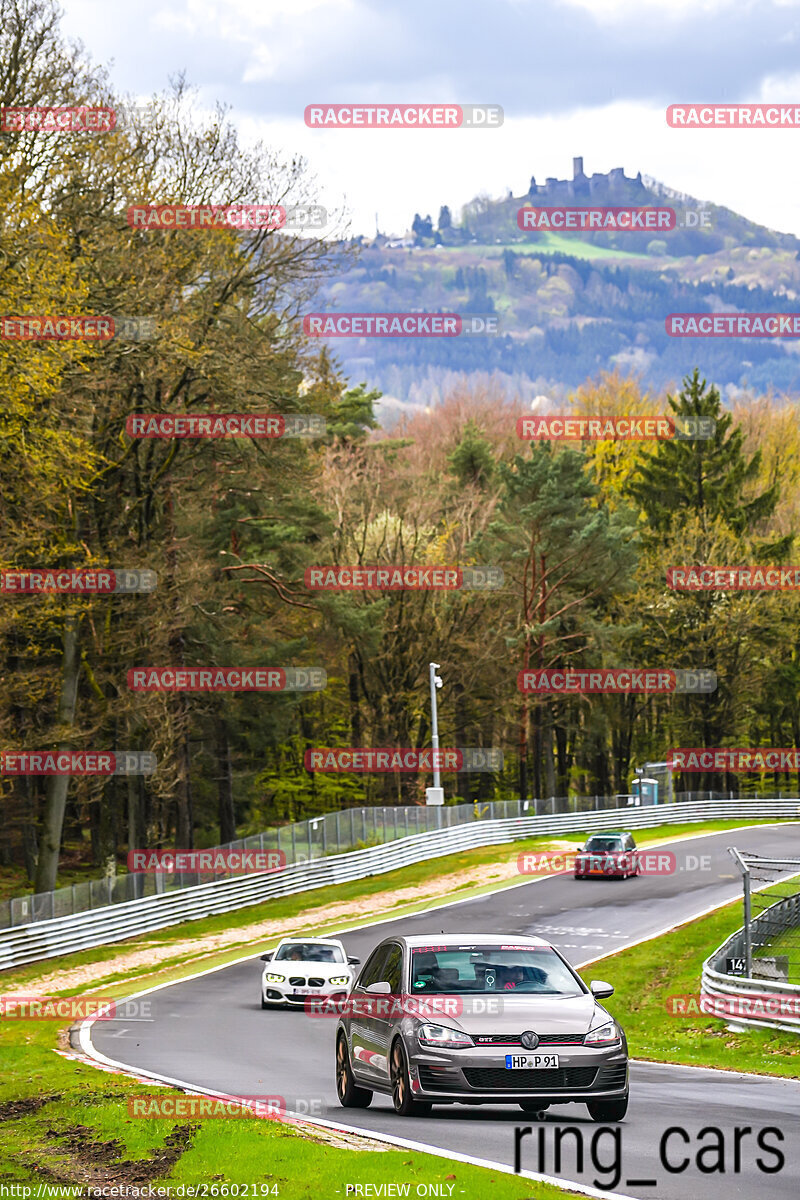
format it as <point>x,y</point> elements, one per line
<point>476,1019</point>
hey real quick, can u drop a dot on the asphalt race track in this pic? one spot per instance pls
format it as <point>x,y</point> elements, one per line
<point>210,1032</point>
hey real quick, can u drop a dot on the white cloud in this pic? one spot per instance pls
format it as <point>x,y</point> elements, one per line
<point>581,88</point>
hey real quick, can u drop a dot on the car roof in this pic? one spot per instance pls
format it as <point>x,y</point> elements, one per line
<point>314,940</point>
<point>612,833</point>
<point>470,939</point>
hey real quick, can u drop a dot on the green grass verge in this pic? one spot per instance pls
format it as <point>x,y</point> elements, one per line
<point>550,243</point>
<point>646,976</point>
<point>81,1133</point>
<point>64,1122</point>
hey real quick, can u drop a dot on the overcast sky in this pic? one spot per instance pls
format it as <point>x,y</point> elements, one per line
<point>574,77</point>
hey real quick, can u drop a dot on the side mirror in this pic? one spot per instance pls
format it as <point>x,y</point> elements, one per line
<point>354,962</point>
<point>267,957</point>
<point>379,989</point>
<point>600,990</point>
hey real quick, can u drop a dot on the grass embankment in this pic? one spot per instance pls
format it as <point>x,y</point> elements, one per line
<point>645,977</point>
<point>63,1121</point>
<point>75,1129</point>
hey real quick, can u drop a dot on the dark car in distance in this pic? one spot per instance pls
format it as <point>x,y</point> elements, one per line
<point>607,856</point>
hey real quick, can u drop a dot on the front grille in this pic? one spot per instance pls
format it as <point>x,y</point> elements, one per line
<point>496,1079</point>
<point>297,980</point>
<point>545,1039</point>
<point>612,1077</point>
<point>316,983</point>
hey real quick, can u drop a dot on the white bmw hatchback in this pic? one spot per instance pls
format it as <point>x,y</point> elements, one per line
<point>303,967</point>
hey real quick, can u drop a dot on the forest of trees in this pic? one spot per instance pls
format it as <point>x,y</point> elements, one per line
<point>584,533</point>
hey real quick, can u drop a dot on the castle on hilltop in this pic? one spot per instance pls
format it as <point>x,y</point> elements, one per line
<point>616,185</point>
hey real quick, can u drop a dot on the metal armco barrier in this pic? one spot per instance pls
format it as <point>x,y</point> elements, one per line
<point>779,917</point>
<point>98,927</point>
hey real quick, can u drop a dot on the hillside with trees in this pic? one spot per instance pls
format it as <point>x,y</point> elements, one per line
<point>571,303</point>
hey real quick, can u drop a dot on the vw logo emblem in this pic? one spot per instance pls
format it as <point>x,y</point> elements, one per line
<point>529,1039</point>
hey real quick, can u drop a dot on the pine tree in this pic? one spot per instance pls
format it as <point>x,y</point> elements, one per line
<point>472,461</point>
<point>708,477</point>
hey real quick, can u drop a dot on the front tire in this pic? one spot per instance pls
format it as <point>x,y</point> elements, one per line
<point>404,1104</point>
<point>608,1110</point>
<point>350,1095</point>
<point>264,1003</point>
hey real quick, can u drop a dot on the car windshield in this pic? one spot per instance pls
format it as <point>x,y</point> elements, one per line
<point>529,971</point>
<point>309,952</point>
<point>602,845</point>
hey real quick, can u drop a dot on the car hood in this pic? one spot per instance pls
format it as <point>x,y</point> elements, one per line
<point>502,1013</point>
<point>324,970</point>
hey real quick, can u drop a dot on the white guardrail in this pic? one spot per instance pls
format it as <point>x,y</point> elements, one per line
<point>714,983</point>
<point>98,927</point>
<point>780,1001</point>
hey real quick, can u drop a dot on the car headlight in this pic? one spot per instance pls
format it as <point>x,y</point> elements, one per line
<point>603,1035</point>
<point>274,978</point>
<point>440,1035</point>
<point>339,979</point>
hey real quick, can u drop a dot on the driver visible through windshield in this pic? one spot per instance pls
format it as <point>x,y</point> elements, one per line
<point>309,952</point>
<point>603,845</point>
<point>487,970</point>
